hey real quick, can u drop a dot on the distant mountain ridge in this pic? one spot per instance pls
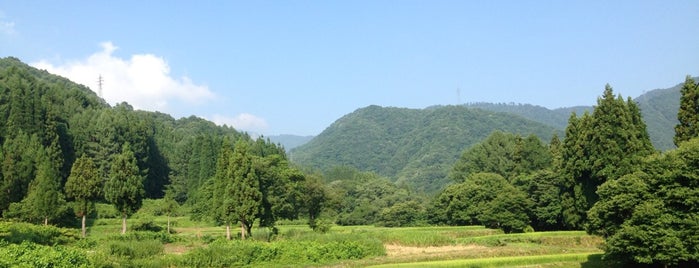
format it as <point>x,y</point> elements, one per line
<point>289,141</point>
<point>415,147</point>
<point>418,146</point>
<point>659,109</point>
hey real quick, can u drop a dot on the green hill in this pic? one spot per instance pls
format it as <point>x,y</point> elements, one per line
<point>658,107</point>
<point>416,147</point>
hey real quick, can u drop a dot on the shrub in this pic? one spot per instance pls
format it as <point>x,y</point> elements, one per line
<point>106,211</point>
<point>134,249</point>
<point>146,224</point>
<point>223,253</point>
<point>18,232</point>
<point>29,254</point>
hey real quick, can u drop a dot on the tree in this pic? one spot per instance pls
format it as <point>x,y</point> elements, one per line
<point>505,154</point>
<point>597,148</point>
<point>84,185</point>
<point>651,216</point>
<point>237,193</point>
<point>245,187</point>
<point>45,198</point>
<point>169,206</point>
<point>688,114</point>
<point>314,198</point>
<point>484,198</point>
<point>124,189</point>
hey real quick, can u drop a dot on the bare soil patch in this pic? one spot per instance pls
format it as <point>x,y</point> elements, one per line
<point>397,251</point>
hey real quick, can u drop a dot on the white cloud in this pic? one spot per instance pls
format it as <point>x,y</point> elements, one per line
<point>144,80</point>
<point>244,121</point>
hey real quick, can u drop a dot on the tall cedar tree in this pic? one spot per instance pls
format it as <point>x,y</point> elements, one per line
<point>124,189</point>
<point>600,147</point>
<point>244,189</point>
<point>84,185</point>
<point>688,115</point>
<point>45,198</point>
<point>223,210</point>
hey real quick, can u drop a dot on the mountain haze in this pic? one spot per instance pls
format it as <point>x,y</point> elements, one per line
<point>289,141</point>
<point>416,147</point>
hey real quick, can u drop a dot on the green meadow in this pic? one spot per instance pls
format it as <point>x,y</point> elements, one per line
<point>291,244</point>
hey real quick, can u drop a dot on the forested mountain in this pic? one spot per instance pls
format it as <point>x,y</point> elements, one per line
<point>658,107</point>
<point>416,147</point>
<point>557,118</point>
<point>47,122</point>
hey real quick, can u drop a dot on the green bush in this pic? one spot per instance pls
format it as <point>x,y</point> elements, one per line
<point>29,254</point>
<point>18,232</point>
<point>146,224</point>
<point>223,253</point>
<point>163,237</point>
<point>106,211</point>
<point>134,249</point>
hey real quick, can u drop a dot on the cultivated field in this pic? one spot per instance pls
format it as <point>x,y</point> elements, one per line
<point>195,244</point>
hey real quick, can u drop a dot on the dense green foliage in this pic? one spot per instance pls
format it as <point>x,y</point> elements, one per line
<point>360,198</point>
<point>84,185</point>
<point>374,167</point>
<point>237,253</point>
<point>516,183</point>
<point>124,188</point>
<point>688,114</point>
<point>410,146</point>
<point>557,118</point>
<point>605,145</point>
<point>651,216</point>
<point>46,122</point>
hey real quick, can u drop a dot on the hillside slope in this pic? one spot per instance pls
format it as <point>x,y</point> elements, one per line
<point>659,109</point>
<point>416,147</point>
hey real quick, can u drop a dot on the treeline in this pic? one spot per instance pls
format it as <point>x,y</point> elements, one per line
<point>412,147</point>
<point>62,148</point>
<point>604,177</point>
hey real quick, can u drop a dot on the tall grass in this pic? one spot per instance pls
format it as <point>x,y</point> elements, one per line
<point>235,253</point>
<point>575,258</point>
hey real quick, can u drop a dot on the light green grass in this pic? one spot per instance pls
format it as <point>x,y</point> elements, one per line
<point>574,260</point>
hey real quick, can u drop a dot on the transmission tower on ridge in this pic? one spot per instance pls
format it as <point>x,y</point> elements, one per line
<point>100,81</point>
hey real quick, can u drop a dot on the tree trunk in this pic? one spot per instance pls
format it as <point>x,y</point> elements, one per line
<point>46,220</point>
<point>242,230</point>
<point>123,223</point>
<point>83,225</point>
<point>228,231</point>
<point>168,223</point>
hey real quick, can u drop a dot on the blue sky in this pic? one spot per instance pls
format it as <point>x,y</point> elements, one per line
<point>294,67</point>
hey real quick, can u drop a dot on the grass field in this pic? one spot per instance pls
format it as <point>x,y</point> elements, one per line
<point>440,246</point>
<point>342,246</point>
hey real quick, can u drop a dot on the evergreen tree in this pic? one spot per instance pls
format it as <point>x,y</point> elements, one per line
<point>18,167</point>
<point>244,191</point>
<point>45,197</point>
<point>84,185</point>
<point>688,115</point>
<point>124,189</point>
<point>223,207</point>
<point>597,148</point>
